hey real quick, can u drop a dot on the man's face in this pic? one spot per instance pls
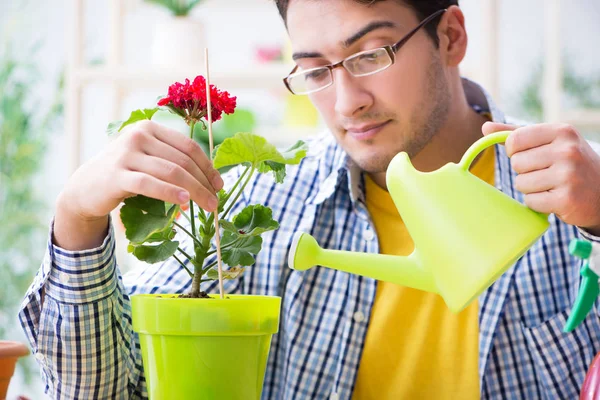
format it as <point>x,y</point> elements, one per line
<point>372,117</point>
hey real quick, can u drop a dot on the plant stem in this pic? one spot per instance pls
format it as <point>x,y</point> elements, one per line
<point>177,224</point>
<point>198,262</point>
<point>228,245</point>
<point>205,270</point>
<point>193,216</point>
<point>232,203</point>
<point>185,254</point>
<point>183,265</point>
<point>228,196</point>
<point>186,216</point>
<point>196,280</point>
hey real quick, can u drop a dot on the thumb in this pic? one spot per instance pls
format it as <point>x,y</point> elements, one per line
<point>491,127</point>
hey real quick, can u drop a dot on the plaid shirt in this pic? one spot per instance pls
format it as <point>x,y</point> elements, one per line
<point>84,343</point>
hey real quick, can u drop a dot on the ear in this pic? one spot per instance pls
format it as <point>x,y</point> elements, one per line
<point>453,36</point>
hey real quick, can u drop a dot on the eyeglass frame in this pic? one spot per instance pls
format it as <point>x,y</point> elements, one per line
<point>391,50</point>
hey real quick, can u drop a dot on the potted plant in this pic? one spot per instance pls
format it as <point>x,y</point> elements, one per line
<point>195,345</point>
<point>179,39</point>
<point>10,352</point>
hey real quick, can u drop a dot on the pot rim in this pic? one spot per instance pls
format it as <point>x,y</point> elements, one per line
<point>236,315</point>
<point>9,348</point>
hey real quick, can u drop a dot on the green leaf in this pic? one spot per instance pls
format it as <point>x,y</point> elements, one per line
<point>114,128</point>
<point>154,254</point>
<point>278,170</point>
<point>137,115</point>
<point>167,234</point>
<point>253,220</point>
<point>231,273</point>
<point>245,148</point>
<point>295,153</point>
<point>228,226</point>
<point>242,251</point>
<point>146,219</point>
<point>222,195</point>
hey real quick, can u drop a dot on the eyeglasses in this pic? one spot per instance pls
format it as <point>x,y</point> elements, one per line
<point>364,63</point>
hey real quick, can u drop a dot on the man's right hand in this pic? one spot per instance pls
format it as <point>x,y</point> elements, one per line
<point>147,159</point>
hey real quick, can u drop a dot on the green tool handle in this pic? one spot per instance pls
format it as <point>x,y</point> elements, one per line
<point>589,289</point>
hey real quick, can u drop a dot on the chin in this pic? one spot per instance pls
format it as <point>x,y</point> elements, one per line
<point>372,162</point>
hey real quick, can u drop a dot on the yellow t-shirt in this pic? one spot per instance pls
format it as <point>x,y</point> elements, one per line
<point>415,347</point>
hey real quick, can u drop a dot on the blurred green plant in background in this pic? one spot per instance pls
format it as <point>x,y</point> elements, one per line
<point>25,127</point>
<point>578,92</point>
<point>179,8</point>
<point>241,121</point>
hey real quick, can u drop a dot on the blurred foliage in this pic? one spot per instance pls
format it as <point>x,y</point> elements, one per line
<point>578,92</point>
<point>24,129</point>
<point>179,8</point>
<point>242,120</point>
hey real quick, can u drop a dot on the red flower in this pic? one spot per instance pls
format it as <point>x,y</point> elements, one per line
<point>189,100</point>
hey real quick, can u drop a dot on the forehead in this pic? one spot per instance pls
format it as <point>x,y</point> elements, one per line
<point>319,24</point>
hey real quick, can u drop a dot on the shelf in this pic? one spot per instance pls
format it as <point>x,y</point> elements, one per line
<point>263,76</point>
<point>582,118</point>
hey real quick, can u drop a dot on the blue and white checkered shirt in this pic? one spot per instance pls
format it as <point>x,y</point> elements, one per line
<point>83,340</point>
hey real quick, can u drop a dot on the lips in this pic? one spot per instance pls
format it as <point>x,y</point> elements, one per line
<point>367,131</point>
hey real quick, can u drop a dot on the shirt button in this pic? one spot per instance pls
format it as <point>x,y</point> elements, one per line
<point>334,396</point>
<point>369,235</point>
<point>359,316</point>
<point>40,357</point>
<point>63,277</point>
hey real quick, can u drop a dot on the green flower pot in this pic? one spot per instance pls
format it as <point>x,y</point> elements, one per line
<point>205,348</point>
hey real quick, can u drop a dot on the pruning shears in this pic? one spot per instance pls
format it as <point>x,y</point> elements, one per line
<point>590,284</point>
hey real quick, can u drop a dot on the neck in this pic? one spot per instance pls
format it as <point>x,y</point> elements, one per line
<point>461,130</point>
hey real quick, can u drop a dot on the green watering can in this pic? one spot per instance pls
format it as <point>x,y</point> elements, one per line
<point>466,232</point>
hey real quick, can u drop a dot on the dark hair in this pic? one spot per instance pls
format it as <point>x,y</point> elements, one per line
<point>423,9</point>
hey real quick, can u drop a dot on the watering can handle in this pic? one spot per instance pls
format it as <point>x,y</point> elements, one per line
<point>480,145</point>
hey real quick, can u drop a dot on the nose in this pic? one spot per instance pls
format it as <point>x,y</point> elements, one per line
<point>352,99</point>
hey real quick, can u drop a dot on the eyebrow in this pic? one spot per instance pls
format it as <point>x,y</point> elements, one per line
<point>367,29</point>
<point>351,40</point>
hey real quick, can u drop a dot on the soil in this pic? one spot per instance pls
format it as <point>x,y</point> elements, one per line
<point>201,295</point>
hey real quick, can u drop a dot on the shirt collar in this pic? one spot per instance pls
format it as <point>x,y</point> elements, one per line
<point>336,167</point>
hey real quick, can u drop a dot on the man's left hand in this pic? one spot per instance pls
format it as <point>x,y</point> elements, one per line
<point>558,171</point>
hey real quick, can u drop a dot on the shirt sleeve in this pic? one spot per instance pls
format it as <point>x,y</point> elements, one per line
<point>81,334</point>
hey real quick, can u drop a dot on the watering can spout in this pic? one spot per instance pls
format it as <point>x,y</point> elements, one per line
<point>401,270</point>
<point>466,232</point>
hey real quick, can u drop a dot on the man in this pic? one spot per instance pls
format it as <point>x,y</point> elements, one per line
<point>385,77</point>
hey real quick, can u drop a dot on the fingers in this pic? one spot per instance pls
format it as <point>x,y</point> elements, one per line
<point>156,148</point>
<point>491,127</point>
<point>541,202</point>
<point>529,137</point>
<point>536,181</point>
<point>136,182</point>
<point>190,148</point>
<point>533,159</point>
<point>167,172</point>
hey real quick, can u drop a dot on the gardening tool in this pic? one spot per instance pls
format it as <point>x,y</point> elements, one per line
<point>590,286</point>
<point>466,232</point>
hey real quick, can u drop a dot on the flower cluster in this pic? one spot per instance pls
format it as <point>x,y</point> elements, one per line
<point>189,100</point>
